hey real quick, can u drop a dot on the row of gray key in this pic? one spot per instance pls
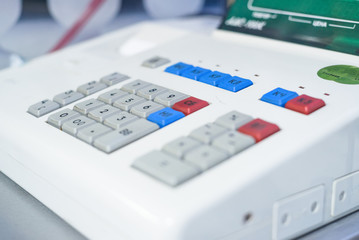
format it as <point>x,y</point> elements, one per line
<point>116,117</point>
<point>205,147</point>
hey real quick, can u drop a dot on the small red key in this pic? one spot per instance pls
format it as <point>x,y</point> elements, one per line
<point>305,104</point>
<point>189,105</point>
<point>259,129</point>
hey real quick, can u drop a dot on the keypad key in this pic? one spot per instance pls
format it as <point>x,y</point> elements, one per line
<point>190,105</point>
<point>114,78</point>
<point>146,108</point>
<point>214,78</point>
<point>205,157</point>
<point>68,97</point>
<point>233,120</point>
<point>165,116</point>
<point>120,119</point>
<point>86,106</point>
<point>134,86</point>
<point>57,119</point>
<point>180,146</point>
<point>259,129</point>
<point>169,98</point>
<point>129,101</point>
<point>111,96</point>
<point>235,84</point>
<point>74,125</point>
<point>207,132</point>
<point>178,68</point>
<point>233,142</point>
<point>195,73</point>
<point>101,113</point>
<point>305,104</point>
<point>41,108</point>
<point>151,91</point>
<point>91,87</point>
<point>155,62</point>
<point>89,134</point>
<point>165,168</point>
<point>279,96</point>
<point>125,135</point>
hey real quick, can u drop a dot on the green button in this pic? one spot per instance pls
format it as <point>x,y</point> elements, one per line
<point>340,73</point>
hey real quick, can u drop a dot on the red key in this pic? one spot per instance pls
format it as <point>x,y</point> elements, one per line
<point>189,105</point>
<point>305,104</point>
<point>259,129</point>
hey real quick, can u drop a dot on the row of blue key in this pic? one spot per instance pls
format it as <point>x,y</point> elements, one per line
<point>218,79</point>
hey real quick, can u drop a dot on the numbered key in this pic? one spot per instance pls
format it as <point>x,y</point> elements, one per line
<point>74,125</point>
<point>180,146</point>
<point>111,96</point>
<point>101,113</point>
<point>91,87</point>
<point>129,101</point>
<point>89,134</point>
<point>57,119</point>
<point>207,132</point>
<point>120,119</point>
<point>233,142</point>
<point>41,108</point>
<point>86,106</point>
<point>169,98</point>
<point>165,168</point>
<point>145,109</point>
<point>114,78</point>
<point>233,120</point>
<point>125,135</point>
<point>68,97</point>
<point>134,86</point>
<point>205,157</point>
<point>151,91</point>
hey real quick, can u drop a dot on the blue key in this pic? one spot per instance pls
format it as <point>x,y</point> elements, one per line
<point>195,73</point>
<point>279,96</point>
<point>235,84</point>
<point>165,116</point>
<point>214,78</point>
<point>178,68</point>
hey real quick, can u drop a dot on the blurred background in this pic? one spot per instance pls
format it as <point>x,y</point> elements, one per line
<point>31,28</point>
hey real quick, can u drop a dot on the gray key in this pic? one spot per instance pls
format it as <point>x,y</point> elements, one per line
<point>67,97</point>
<point>74,125</point>
<point>41,108</point>
<point>233,142</point>
<point>205,157</point>
<point>207,132</point>
<point>86,106</point>
<point>57,119</point>
<point>120,119</point>
<point>165,168</point>
<point>233,120</point>
<point>170,98</point>
<point>129,101</point>
<point>146,108</point>
<point>125,135</point>
<point>91,87</point>
<point>89,134</point>
<point>134,86</point>
<point>111,96</point>
<point>114,78</point>
<point>155,62</point>
<point>151,91</point>
<point>180,146</point>
<point>101,113</point>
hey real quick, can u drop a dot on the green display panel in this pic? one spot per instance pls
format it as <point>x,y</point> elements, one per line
<point>330,24</point>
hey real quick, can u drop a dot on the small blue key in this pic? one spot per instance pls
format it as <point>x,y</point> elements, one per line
<point>195,73</point>
<point>178,68</point>
<point>279,96</point>
<point>235,84</point>
<point>165,116</point>
<point>214,78</point>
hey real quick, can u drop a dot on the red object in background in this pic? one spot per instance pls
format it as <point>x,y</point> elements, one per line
<point>259,129</point>
<point>189,105</point>
<point>305,104</point>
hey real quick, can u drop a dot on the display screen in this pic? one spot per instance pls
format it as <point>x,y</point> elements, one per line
<point>330,24</point>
